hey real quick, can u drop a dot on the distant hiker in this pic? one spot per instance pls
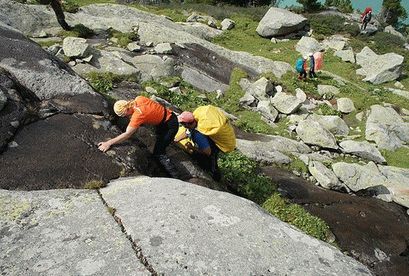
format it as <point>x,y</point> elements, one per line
<point>56,5</point>
<point>312,66</point>
<point>145,111</point>
<point>206,131</point>
<point>319,60</point>
<point>366,17</point>
<point>300,65</point>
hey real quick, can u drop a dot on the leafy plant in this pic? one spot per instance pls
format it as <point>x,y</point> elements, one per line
<point>70,6</point>
<point>325,109</point>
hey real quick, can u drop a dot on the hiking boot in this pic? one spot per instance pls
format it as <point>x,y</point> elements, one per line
<point>168,165</point>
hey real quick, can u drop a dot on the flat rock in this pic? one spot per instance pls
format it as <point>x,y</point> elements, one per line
<point>362,149</point>
<point>62,232</point>
<point>215,232</point>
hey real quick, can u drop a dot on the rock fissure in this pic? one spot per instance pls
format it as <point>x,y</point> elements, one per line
<point>135,247</point>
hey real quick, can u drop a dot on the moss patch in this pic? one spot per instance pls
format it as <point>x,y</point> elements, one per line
<point>397,158</point>
<point>94,184</point>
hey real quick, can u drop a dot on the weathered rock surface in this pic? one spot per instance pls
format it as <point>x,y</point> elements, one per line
<point>397,183</point>
<point>327,90</point>
<point>42,72</point>
<point>362,149</point>
<point>358,177</point>
<point>391,30</point>
<point>171,243</point>
<point>333,124</point>
<point>261,89</point>
<point>279,22</point>
<point>107,61</point>
<point>313,133</point>
<point>378,69</point>
<point>386,128</point>
<point>286,103</point>
<point>75,47</point>
<point>267,110</point>
<point>227,24</point>
<point>346,55</point>
<point>62,232</point>
<point>308,45</point>
<point>345,105</point>
<point>152,28</point>
<point>335,42</point>
<point>325,177</point>
<point>153,67</point>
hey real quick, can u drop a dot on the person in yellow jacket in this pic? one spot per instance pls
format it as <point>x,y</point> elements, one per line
<point>207,132</point>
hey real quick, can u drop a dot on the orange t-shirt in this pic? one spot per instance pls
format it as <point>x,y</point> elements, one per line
<point>147,112</point>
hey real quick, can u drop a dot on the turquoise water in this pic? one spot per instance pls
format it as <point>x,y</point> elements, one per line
<point>357,4</point>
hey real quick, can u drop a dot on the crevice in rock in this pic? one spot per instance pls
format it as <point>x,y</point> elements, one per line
<point>135,247</point>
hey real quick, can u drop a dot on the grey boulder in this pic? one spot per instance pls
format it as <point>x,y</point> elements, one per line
<point>279,22</point>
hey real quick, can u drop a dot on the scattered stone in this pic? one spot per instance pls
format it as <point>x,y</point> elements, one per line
<point>333,124</point>
<point>72,63</point>
<point>267,110</point>
<point>360,116</point>
<point>149,43</point>
<point>345,105</point>
<point>399,85</point>
<point>346,55</point>
<point>307,45</point>
<point>274,40</point>
<point>299,94</point>
<point>335,42</point>
<point>163,48</point>
<point>227,24</point>
<point>134,47</point>
<point>362,149</point>
<point>244,84</point>
<point>286,103</point>
<point>151,90</point>
<point>386,128</point>
<point>313,133</point>
<point>325,177</point>
<point>261,88</point>
<point>327,90</point>
<point>75,47</point>
<point>175,90</point>
<point>15,124</point>
<point>53,49</point>
<point>378,69</point>
<point>248,100</point>
<point>358,177</point>
<point>12,144</point>
<point>280,22</point>
<point>391,30</point>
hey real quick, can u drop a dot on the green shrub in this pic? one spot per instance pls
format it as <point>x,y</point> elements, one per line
<point>123,38</point>
<point>78,30</point>
<point>326,25</point>
<point>325,109</point>
<point>104,82</point>
<point>297,216</point>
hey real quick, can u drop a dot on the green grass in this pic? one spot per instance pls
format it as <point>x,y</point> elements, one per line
<point>123,39</point>
<point>397,158</point>
<point>245,173</point>
<point>78,30</point>
<point>297,216</point>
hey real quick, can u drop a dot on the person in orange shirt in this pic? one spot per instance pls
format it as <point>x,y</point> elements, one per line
<point>143,110</point>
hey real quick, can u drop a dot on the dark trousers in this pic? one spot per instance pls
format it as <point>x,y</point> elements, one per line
<point>312,73</point>
<point>209,163</point>
<point>165,134</point>
<point>55,4</point>
<point>302,75</point>
<point>363,27</point>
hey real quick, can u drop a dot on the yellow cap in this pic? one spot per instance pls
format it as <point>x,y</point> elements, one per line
<point>120,107</point>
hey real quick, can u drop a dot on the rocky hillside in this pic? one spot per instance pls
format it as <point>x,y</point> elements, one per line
<point>347,130</point>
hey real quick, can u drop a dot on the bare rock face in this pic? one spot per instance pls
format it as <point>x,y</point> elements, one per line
<point>386,128</point>
<point>378,69</point>
<point>313,133</point>
<point>62,232</point>
<point>224,216</point>
<point>362,149</point>
<point>279,22</point>
<point>307,45</point>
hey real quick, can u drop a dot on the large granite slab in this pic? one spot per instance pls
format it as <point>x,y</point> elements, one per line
<point>62,232</point>
<point>184,229</point>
